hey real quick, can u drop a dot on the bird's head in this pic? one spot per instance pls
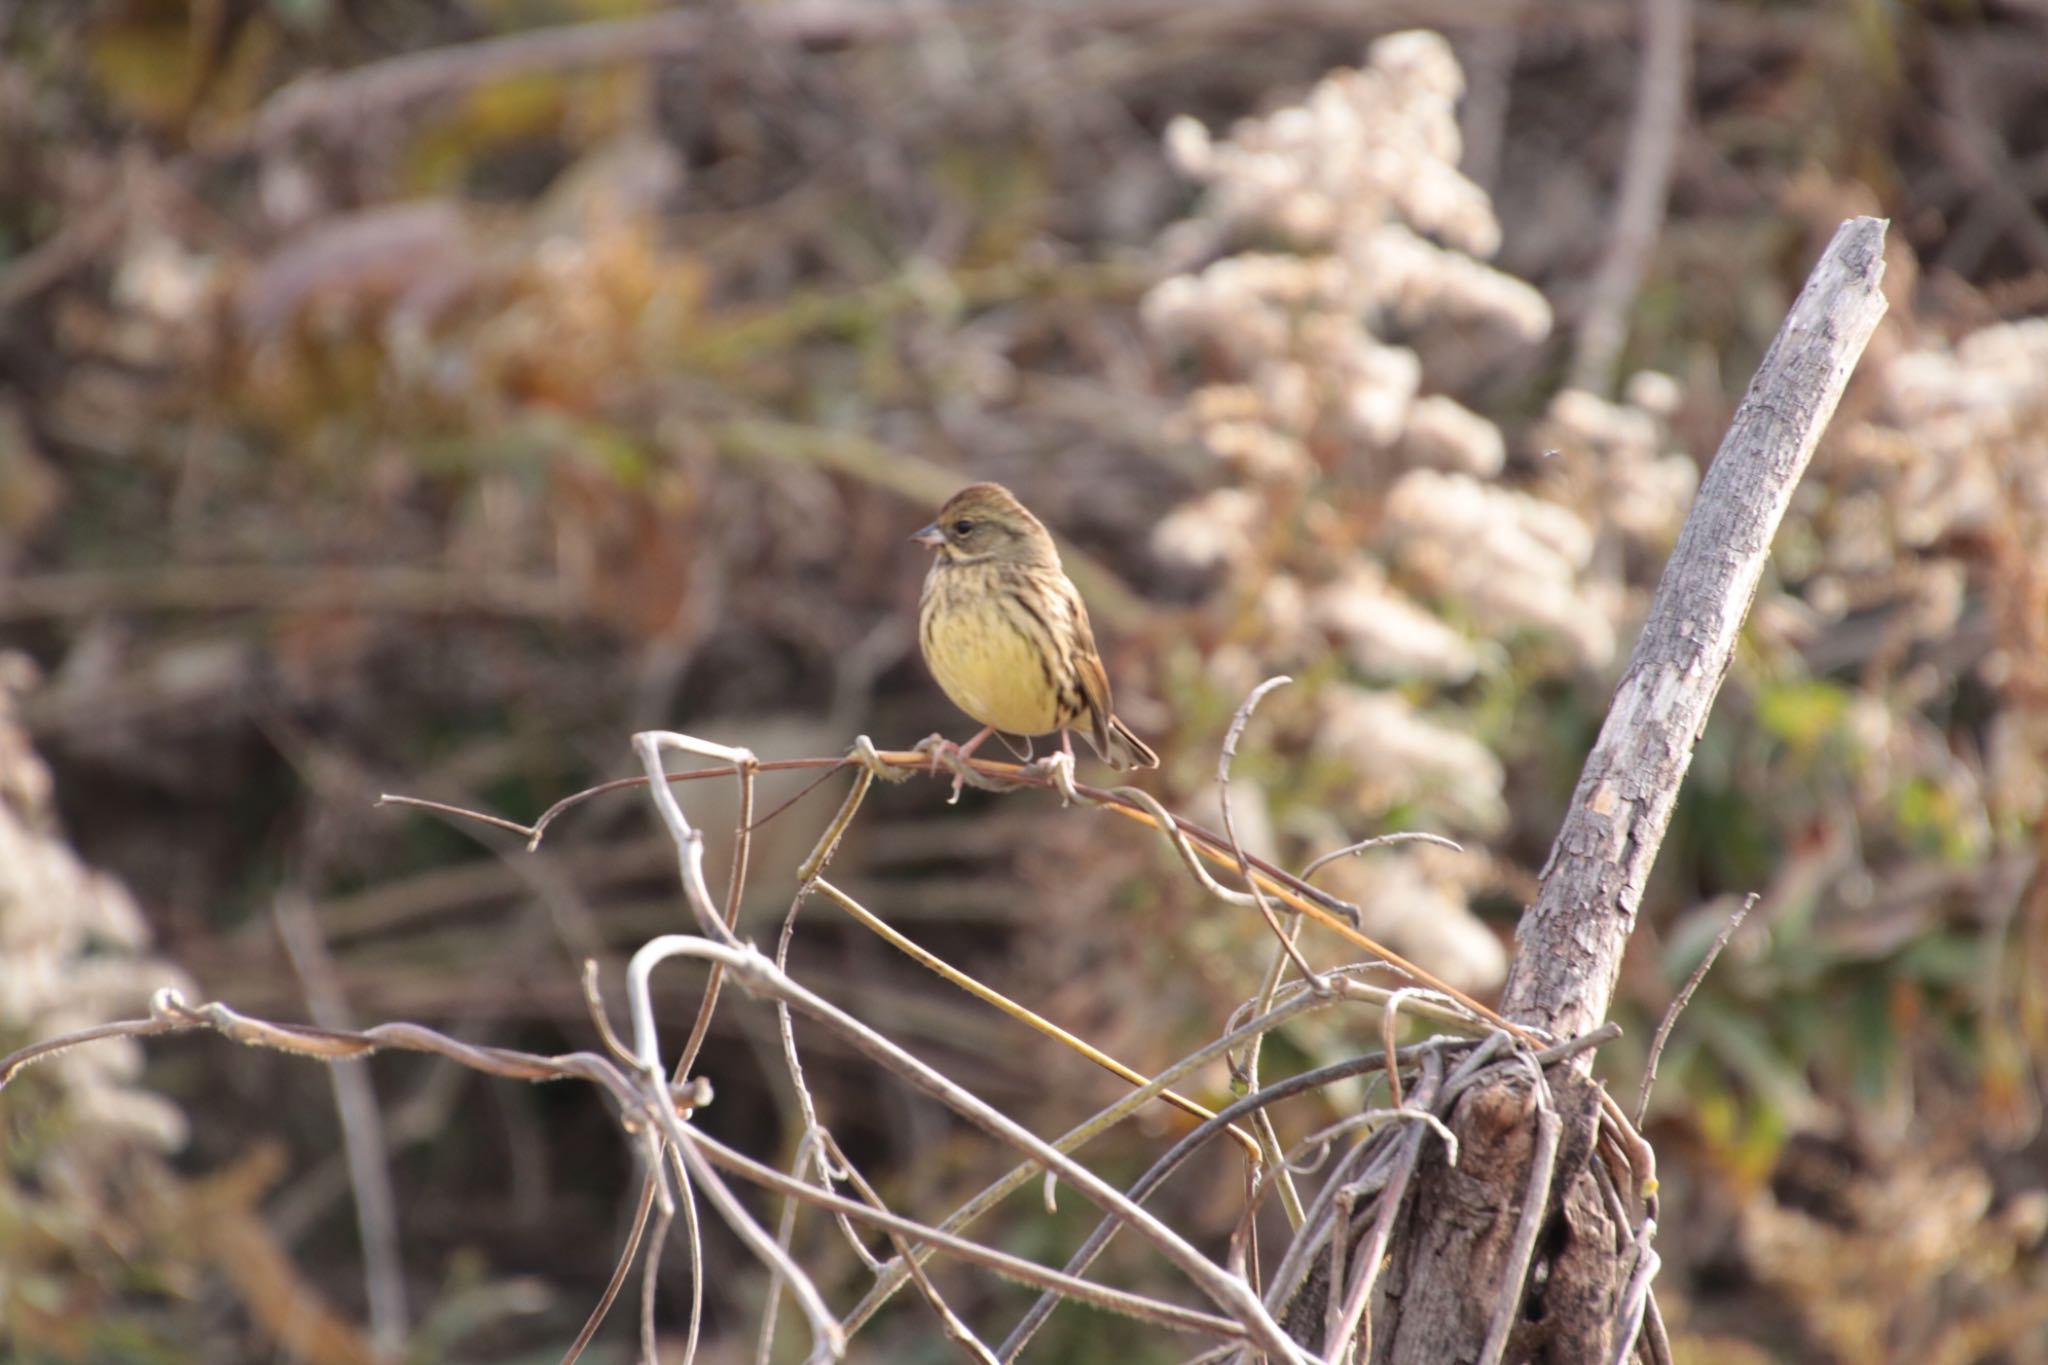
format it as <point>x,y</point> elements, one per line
<point>984,521</point>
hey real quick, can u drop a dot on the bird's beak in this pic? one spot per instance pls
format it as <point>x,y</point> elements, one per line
<point>931,536</point>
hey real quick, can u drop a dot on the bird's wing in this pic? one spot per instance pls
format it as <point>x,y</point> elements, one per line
<point>1089,672</point>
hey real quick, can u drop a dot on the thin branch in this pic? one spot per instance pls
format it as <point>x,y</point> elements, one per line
<point>1535,1206</point>
<point>691,1167</point>
<point>1188,839</point>
<point>1284,936</point>
<point>1172,1160</point>
<point>1635,1297</point>
<point>362,1125</point>
<point>917,952</point>
<point>951,1322</point>
<point>1681,1000</point>
<point>650,1273</point>
<point>759,976</point>
<point>1379,841</point>
<point>1013,1267</point>
<point>1663,89</point>
<point>1373,1254</point>
<point>735,886</point>
<point>170,1014</point>
<point>1224,758</point>
<point>1258,1102</point>
<point>1300,1001</point>
<point>627,1254</point>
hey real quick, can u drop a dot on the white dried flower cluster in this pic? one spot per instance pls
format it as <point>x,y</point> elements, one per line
<point>1352,177</point>
<point>1357,504</point>
<point>75,949</point>
<point>1386,635</point>
<point>1954,457</point>
<point>1398,755</point>
<point>1379,141</point>
<point>1614,456</point>
<point>1216,528</point>
<point>1444,434</point>
<point>1514,561</point>
<point>1962,440</point>
<point>1412,898</point>
<point>1959,447</point>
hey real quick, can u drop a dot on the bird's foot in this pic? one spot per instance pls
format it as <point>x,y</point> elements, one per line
<point>937,748</point>
<point>945,754</point>
<point>1059,770</point>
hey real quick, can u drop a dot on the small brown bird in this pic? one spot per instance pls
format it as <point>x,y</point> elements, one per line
<point>1005,633</point>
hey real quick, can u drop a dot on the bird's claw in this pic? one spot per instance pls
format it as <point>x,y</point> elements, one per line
<point>1059,770</point>
<point>944,753</point>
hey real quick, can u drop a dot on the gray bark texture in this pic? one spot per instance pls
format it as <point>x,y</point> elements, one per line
<point>1570,941</point>
<point>1445,1273</point>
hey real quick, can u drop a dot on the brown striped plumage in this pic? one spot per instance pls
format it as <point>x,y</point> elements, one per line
<point>1005,633</point>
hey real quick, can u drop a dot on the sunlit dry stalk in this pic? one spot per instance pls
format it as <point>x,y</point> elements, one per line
<point>1535,1206</point>
<point>1345,1323</point>
<point>949,1321</point>
<point>1002,1262</point>
<point>1302,1001</point>
<point>627,1254</point>
<point>759,976</point>
<point>875,925</point>
<point>1283,936</point>
<point>1186,836</point>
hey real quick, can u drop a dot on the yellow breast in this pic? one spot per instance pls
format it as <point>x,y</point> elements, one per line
<point>984,656</point>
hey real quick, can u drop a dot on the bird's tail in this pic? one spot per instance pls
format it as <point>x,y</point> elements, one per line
<point>1122,749</point>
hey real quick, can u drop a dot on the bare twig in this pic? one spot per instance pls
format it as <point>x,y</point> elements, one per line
<point>688,841</point>
<point>1283,936</point>
<point>1635,1297</point>
<point>170,1014</point>
<point>1172,1160</point>
<point>694,1171</point>
<point>1373,1253</point>
<point>362,1125</point>
<point>1535,1204</point>
<point>917,952</point>
<point>1378,841</point>
<point>756,974</point>
<point>650,1272</point>
<point>627,1254</point>
<point>736,883</point>
<point>1224,758</point>
<point>1301,1001</point>
<point>1013,1267</point>
<point>599,1019</point>
<point>1190,840</point>
<point>951,1322</point>
<point>1681,1000</point>
<point>1663,89</point>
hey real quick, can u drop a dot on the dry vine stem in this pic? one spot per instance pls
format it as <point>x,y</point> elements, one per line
<point>682,1165</point>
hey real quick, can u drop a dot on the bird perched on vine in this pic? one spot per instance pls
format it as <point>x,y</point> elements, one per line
<point>1006,635</point>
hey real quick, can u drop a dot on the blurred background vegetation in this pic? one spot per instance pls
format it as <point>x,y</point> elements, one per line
<point>422,395</point>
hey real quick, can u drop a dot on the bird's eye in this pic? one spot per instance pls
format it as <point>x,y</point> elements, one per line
<point>962,526</point>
